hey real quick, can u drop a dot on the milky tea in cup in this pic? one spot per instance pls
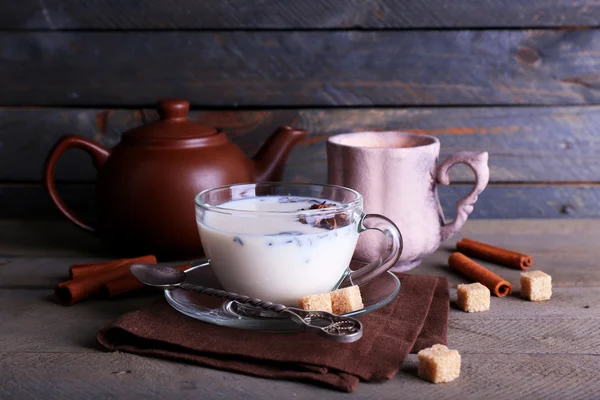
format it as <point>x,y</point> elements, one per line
<point>280,242</point>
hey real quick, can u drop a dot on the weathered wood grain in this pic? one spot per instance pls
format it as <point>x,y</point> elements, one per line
<point>44,239</point>
<point>31,321</point>
<point>531,144</point>
<point>549,350</point>
<point>46,375</point>
<point>518,376</point>
<point>526,336</point>
<point>37,254</point>
<point>47,239</point>
<point>298,68</point>
<point>309,14</point>
<point>527,201</point>
<point>45,272</point>
<point>554,262</point>
<point>62,240</point>
<point>566,303</point>
<point>30,201</point>
<point>19,268</point>
<point>42,272</point>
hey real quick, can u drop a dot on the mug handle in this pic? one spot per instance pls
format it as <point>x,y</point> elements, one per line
<point>387,259</point>
<point>478,162</point>
<point>99,155</point>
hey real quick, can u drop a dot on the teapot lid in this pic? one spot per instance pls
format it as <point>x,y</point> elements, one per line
<point>173,124</point>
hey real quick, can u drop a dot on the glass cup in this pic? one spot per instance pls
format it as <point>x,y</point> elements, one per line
<point>282,241</point>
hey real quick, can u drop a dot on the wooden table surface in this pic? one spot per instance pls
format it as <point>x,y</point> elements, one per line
<point>517,350</point>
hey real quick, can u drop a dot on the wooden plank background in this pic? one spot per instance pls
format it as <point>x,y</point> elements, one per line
<point>30,201</point>
<point>525,144</point>
<point>518,79</point>
<point>300,68</point>
<point>307,14</point>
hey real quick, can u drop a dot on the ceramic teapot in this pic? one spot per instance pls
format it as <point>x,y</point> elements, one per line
<point>147,183</point>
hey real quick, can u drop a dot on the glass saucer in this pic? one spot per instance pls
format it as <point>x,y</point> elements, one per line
<point>375,295</point>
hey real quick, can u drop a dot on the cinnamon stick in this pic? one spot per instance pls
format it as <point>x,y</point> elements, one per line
<point>76,290</point>
<point>128,283</point>
<point>463,264</point>
<point>494,254</point>
<point>79,271</point>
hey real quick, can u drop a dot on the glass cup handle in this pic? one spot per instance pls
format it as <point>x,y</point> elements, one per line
<point>387,259</point>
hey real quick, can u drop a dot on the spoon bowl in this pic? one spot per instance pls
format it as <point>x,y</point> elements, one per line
<point>160,277</point>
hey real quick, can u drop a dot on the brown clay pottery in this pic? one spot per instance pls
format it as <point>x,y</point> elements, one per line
<point>147,183</point>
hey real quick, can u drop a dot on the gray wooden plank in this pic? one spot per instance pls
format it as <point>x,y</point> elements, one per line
<point>573,264</point>
<point>526,144</point>
<point>296,68</point>
<point>309,14</point>
<point>47,239</point>
<point>518,376</point>
<point>121,375</point>
<point>31,202</point>
<point>567,268</point>
<point>534,336</point>
<point>527,201</point>
<point>567,303</point>
<point>552,238</point>
<point>547,349</point>
<point>31,321</point>
<point>102,375</point>
<point>566,249</point>
<point>45,272</point>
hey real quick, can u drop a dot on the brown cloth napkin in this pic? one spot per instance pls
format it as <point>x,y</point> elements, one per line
<point>416,319</point>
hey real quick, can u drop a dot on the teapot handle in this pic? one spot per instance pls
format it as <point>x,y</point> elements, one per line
<point>478,162</point>
<point>99,155</point>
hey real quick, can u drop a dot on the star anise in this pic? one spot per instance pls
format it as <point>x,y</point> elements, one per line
<point>336,221</point>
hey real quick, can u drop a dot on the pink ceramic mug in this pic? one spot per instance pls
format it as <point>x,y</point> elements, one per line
<point>397,173</point>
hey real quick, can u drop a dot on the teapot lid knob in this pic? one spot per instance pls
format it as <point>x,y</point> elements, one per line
<point>173,109</point>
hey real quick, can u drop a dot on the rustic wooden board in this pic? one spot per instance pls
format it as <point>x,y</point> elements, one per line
<point>37,254</point>
<point>30,201</point>
<point>559,326</point>
<point>526,144</point>
<point>547,349</point>
<point>43,375</point>
<point>44,239</point>
<point>299,68</point>
<point>531,336</point>
<point>309,14</point>
<point>566,303</point>
<point>585,274</point>
<point>44,273</point>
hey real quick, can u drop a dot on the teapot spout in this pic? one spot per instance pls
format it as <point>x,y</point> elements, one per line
<point>269,162</point>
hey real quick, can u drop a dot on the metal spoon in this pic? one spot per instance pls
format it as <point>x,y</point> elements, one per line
<point>334,327</point>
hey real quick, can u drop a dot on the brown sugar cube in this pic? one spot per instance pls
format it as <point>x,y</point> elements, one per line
<point>316,302</point>
<point>439,364</point>
<point>346,300</point>
<point>536,285</point>
<point>473,297</point>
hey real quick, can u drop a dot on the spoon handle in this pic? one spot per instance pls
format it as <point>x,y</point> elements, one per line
<point>334,327</point>
<point>265,305</point>
<point>338,328</point>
